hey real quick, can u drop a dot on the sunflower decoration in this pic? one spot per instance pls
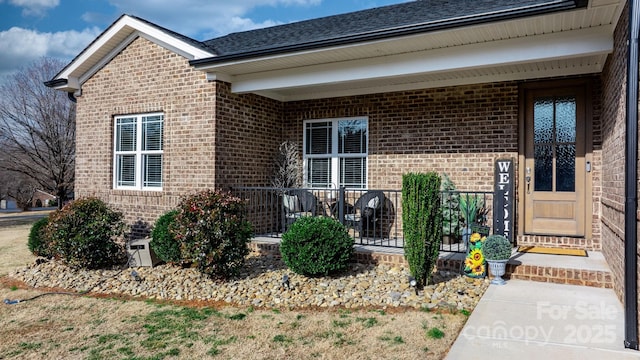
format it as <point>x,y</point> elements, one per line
<point>474,263</point>
<point>476,237</point>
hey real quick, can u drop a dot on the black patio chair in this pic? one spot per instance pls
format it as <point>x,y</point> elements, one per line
<point>298,203</point>
<point>366,216</point>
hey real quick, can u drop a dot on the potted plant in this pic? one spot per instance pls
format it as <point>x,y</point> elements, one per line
<point>471,206</point>
<point>450,209</point>
<point>497,251</point>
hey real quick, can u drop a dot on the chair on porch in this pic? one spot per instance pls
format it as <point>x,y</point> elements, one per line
<point>367,214</point>
<point>298,203</point>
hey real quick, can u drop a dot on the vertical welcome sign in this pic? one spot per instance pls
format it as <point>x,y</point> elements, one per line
<point>503,199</point>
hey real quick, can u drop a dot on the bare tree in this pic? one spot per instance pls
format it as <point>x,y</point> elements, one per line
<point>286,168</point>
<point>22,189</point>
<point>37,129</point>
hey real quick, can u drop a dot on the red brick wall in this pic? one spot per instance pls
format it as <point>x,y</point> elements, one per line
<point>613,155</point>
<point>143,78</point>
<point>457,130</point>
<point>213,138</point>
<point>249,133</point>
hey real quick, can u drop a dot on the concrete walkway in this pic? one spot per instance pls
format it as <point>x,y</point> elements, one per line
<point>536,320</point>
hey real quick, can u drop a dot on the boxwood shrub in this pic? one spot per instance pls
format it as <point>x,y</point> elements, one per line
<point>163,242</point>
<point>213,232</point>
<point>38,243</point>
<point>497,247</point>
<point>316,246</point>
<point>84,234</point>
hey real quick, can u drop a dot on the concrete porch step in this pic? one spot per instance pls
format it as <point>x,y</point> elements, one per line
<point>592,270</point>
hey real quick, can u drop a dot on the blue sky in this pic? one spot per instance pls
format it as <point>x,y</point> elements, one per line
<point>30,29</point>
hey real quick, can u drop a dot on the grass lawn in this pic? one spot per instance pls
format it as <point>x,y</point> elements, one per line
<point>73,327</point>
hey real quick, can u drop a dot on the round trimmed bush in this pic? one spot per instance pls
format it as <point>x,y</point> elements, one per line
<point>38,243</point>
<point>163,242</point>
<point>213,232</point>
<point>496,247</point>
<point>83,234</point>
<point>316,246</point>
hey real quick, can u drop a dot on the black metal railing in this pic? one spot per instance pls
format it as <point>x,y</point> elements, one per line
<point>373,217</point>
<point>370,215</point>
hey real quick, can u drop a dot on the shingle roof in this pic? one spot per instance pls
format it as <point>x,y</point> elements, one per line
<point>422,14</point>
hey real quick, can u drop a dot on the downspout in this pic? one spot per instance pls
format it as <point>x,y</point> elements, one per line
<point>72,97</point>
<point>631,184</point>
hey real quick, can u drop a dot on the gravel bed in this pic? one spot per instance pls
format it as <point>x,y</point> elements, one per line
<point>260,285</point>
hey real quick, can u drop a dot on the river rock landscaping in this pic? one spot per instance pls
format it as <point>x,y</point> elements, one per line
<point>260,284</point>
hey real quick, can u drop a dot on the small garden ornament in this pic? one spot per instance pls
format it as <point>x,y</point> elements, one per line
<point>474,263</point>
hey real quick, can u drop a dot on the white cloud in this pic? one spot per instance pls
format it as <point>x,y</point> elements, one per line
<point>208,17</point>
<point>35,7</point>
<point>201,19</point>
<point>19,47</point>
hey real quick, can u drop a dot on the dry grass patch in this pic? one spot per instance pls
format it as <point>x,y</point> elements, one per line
<point>59,326</point>
<point>14,252</point>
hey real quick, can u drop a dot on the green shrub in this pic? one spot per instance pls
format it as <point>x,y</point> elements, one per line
<point>496,247</point>
<point>38,243</point>
<point>213,232</point>
<point>450,207</point>
<point>163,242</point>
<point>471,209</point>
<point>83,234</point>
<point>316,246</point>
<point>422,223</point>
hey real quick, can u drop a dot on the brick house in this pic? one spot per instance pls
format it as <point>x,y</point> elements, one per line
<point>41,198</point>
<point>425,86</point>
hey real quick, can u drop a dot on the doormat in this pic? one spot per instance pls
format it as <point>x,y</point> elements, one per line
<point>551,251</point>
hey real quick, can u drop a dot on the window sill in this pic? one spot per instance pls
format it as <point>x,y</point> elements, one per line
<point>130,192</point>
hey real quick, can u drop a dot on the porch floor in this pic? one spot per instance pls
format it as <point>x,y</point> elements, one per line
<point>592,270</point>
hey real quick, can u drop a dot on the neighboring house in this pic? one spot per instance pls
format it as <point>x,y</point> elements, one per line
<point>8,203</point>
<point>445,86</point>
<point>41,198</point>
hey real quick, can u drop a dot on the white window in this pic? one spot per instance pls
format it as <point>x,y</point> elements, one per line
<point>335,153</point>
<point>138,151</point>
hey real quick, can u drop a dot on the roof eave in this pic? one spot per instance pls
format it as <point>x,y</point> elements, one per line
<point>56,83</point>
<point>396,32</point>
<point>71,77</point>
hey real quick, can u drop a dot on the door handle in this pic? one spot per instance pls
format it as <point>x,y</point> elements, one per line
<point>528,180</point>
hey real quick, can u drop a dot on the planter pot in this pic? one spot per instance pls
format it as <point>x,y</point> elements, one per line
<point>450,239</point>
<point>497,268</point>
<point>466,235</point>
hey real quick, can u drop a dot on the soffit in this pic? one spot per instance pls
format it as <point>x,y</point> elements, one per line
<point>600,16</point>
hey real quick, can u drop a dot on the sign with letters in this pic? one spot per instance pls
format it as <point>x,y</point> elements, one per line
<point>504,199</point>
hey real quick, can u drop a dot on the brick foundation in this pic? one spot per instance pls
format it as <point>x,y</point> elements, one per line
<point>552,274</point>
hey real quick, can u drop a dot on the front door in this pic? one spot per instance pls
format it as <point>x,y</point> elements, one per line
<point>555,167</point>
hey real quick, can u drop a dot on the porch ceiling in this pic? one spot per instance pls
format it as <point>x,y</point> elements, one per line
<point>559,44</point>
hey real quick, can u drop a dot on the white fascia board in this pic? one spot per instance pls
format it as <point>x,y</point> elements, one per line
<point>133,28</point>
<point>545,47</point>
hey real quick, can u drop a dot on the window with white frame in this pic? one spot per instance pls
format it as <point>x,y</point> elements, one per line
<point>138,149</point>
<point>335,153</point>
